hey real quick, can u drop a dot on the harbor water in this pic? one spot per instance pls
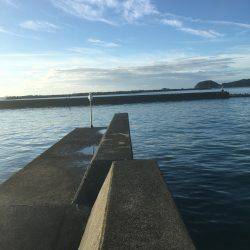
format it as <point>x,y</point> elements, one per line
<point>202,148</point>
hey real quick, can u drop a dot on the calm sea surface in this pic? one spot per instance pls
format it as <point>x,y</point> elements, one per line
<point>202,147</point>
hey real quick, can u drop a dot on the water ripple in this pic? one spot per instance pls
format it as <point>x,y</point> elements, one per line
<point>202,147</point>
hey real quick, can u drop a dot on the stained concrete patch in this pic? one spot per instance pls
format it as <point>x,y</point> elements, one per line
<point>103,131</point>
<point>88,150</point>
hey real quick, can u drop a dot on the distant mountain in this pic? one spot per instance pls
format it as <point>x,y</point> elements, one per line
<point>207,85</point>
<point>237,84</point>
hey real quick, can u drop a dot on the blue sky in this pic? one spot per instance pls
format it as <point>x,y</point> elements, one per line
<point>67,46</point>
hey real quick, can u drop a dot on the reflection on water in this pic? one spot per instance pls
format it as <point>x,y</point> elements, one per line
<point>202,147</point>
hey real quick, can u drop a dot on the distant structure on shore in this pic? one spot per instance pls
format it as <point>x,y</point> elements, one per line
<point>209,84</point>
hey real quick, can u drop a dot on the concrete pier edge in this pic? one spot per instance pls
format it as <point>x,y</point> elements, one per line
<point>134,209</point>
<point>35,203</point>
<point>115,145</point>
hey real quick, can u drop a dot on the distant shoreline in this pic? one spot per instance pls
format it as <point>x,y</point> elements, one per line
<point>127,92</point>
<point>244,83</point>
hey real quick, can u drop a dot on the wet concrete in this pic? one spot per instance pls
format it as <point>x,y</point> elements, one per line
<point>135,210</point>
<point>35,203</point>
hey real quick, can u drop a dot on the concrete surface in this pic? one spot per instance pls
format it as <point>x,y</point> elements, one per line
<point>46,205</point>
<point>135,210</point>
<point>93,234</point>
<point>35,203</point>
<point>115,145</point>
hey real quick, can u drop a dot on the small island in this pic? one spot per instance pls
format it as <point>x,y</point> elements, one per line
<point>209,84</point>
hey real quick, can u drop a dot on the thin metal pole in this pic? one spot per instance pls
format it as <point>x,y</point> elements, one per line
<point>91,115</point>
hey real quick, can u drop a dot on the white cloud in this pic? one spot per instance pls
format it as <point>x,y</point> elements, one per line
<point>241,25</point>
<point>36,25</point>
<point>214,22</point>
<point>198,32</point>
<point>7,32</point>
<point>92,10</point>
<point>173,22</point>
<point>107,11</point>
<point>135,9</point>
<point>2,30</point>
<point>18,35</point>
<point>115,12</point>
<point>102,43</point>
<point>202,33</point>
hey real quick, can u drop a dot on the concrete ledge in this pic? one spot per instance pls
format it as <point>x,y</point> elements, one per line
<point>134,209</point>
<point>115,145</point>
<point>35,203</point>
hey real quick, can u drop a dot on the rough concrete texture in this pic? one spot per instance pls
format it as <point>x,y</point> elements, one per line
<point>95,227</point>
<point>137,212</point>
<point>35,203</point>
<point>115,145</point>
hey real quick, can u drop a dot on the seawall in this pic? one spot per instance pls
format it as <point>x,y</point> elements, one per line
<point>114,100</point>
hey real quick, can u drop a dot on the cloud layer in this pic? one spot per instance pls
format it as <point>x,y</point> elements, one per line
<point>115,12</point>
<point>82,70</point>
<point>100,10</point>
<point>98,42</point>
<point>198,32</point>
<point>186,71</point>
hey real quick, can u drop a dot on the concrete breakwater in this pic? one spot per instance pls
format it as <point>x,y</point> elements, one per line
<point>68,199</point>
<point>107,100</point>
<point>240,95</point>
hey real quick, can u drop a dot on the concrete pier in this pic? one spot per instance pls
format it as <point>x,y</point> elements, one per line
<point>115,145</point>
<point>124,202</point>
<point>135,210</point>
<point>35,203</point>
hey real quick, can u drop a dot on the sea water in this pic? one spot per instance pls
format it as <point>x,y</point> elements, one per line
<point>202,148</point>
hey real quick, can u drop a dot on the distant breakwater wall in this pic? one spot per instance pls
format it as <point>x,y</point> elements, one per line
<point>240,95</point>
<point>111,100</point>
